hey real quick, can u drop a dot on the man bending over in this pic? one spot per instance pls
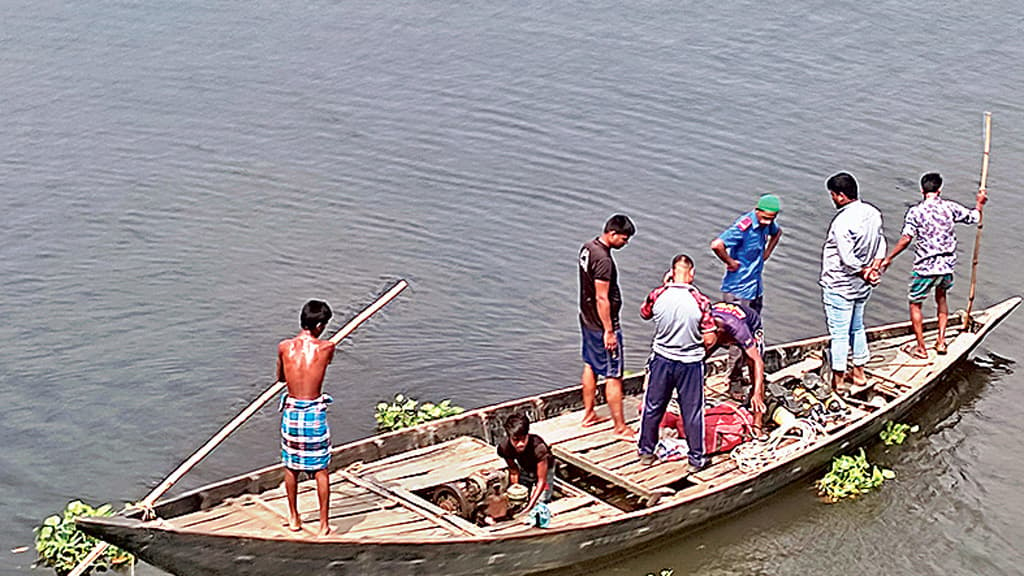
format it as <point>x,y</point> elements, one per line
<point>740,326</point>
<point>530,461</point>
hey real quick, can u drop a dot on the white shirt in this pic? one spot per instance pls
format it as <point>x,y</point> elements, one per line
<point>853,241</point>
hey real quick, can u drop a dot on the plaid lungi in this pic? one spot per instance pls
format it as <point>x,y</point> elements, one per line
<point>305,437</point>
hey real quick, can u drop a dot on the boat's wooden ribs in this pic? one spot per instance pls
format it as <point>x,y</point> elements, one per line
<point>649,497</point>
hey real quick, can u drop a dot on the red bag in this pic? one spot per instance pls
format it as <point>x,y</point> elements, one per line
<point>726,426</point>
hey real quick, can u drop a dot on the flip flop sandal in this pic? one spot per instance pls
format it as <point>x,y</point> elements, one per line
<point>941,348</point>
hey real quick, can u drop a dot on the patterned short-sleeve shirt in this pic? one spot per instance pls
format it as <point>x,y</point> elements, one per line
<point>930,223</point>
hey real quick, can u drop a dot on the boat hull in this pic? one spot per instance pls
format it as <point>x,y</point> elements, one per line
<point>194,554</point>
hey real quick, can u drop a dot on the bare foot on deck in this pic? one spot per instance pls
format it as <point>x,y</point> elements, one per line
<point>915,351</point>
<point>940,347</point>
<point>325,531</point>
<point>626,434</point>
<point>295,524</point>
<point>592,419</point>
<point>856,380</point>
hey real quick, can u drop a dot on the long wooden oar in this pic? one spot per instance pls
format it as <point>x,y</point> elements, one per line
<point>233,425</point>
<point>981,218</point>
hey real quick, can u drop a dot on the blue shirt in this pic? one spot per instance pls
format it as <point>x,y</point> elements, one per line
<point>745,240</point>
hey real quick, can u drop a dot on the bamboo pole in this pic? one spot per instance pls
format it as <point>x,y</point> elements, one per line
<point>983,185</point>
<point>237,421</point>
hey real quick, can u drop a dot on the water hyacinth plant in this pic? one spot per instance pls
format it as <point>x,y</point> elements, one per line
<point>61,546</point>
<point>405,412</point>
<point>896,433</point>
<point>851,476</point>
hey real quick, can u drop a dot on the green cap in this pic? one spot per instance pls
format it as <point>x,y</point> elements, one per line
<point>769,203</point>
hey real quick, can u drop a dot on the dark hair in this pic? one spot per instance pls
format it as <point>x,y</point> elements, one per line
<point>620,224</point>
<point>843,183</point>
<point>517,426</point>
<point>931,182</point>
<point>315,313</point>
<point>684,258</point>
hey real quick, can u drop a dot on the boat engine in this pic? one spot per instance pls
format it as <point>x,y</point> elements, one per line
<point>468,497</point>
<point>807,397</point>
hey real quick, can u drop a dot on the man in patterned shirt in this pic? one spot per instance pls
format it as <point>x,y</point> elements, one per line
<point>683,330</point>
<point>929,224</point>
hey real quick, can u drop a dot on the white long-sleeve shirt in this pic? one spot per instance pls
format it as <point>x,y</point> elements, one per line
<point>854,240</point>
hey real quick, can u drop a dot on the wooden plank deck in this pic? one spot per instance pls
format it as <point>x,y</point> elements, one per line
<point>376,500</point>
<point>435,465</point>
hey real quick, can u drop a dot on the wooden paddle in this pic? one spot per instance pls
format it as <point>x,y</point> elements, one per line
<point>981,218</point>
<point>233,425</point>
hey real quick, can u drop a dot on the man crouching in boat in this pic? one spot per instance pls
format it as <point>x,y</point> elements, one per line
<point>739,325</point>
<point>530,461</point>
<point>305,438</point>
<point>683,330</point>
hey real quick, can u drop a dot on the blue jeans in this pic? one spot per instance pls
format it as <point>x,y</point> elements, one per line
<point>846,326</point>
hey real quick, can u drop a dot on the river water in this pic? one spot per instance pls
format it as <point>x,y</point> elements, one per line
<point>177,178</point>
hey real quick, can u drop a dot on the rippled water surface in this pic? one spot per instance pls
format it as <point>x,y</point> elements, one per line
<point>177,178</point>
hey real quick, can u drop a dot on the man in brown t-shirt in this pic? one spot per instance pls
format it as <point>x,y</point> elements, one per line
<point>600,302</point>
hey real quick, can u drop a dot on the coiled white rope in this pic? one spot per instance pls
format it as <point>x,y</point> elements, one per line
<point>783,442</point>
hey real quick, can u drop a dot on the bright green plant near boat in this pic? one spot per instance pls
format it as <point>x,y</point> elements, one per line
<point>896,433</point>
<point>61,546</point>
<point>851,476</point>
<point>405,412</point>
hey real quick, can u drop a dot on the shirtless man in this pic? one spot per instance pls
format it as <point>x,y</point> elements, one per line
<point>305,437</point>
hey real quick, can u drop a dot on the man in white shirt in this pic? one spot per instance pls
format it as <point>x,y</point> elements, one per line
<point>851,259</point>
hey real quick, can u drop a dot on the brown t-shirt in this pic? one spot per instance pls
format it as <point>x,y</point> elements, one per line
<point>596,263</point>
<point>535,451</point>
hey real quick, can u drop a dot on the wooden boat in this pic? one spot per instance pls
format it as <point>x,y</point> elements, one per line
<point>384,524</point>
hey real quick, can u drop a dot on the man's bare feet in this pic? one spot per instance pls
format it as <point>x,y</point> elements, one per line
<point>592,419</point>
<point>855,381</point>
<point>295,524</point>
<point>626,435</point>
<point>940,347</point>
<point>325,531</point>
<point>914,351</point>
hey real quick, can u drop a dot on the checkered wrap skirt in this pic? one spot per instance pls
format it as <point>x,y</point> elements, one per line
<point>305,437</point>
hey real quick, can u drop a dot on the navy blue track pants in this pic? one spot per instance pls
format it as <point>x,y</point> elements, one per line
<point>687,380</point>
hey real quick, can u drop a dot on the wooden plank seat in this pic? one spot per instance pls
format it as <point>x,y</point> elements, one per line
<point>566,427</point>
<point>649,496</point>
<point>434,465</point>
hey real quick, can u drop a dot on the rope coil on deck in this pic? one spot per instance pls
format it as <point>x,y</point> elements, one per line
<point>756,454</point>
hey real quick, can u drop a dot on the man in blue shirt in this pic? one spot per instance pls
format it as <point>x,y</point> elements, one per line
<point>743,248</point>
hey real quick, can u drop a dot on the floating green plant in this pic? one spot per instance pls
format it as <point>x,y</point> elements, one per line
<point>405,412</point>
<point>851,476</point>
<point>896,433</point>
<point>61,545</point>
